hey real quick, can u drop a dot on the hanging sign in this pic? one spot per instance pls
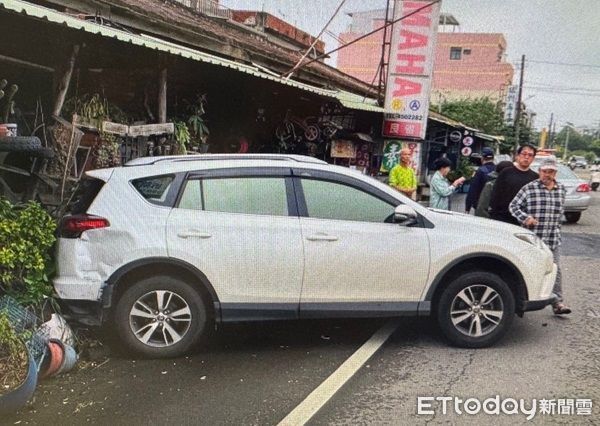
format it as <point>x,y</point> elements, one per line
<point>410,68</point>
<point>455,136</point>
<point>391,154</point>
<point>511,105</point>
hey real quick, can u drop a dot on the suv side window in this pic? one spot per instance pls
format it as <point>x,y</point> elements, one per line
<point>247,195</point>
<point>154,189</point>
<point>331,200</point>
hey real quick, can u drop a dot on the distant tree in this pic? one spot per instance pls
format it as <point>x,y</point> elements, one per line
<point>595,147</point>
<point>481,113</point>
<point>487,116</point>
<point>577,141</point>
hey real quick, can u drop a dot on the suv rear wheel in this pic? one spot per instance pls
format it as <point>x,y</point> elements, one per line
<point>475,310</point>
<point>160,317</point>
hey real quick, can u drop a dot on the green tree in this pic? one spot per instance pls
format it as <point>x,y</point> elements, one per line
<point>577,142</point>
<point>481,113</point>
<point>487,116</point>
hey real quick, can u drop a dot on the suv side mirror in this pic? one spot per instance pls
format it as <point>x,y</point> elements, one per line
<point>405,215</point>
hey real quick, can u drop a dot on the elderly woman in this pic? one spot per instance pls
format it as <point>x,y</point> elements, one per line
<point>441,189</point>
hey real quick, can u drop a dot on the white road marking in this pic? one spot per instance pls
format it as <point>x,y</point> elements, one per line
<point>326,390</point>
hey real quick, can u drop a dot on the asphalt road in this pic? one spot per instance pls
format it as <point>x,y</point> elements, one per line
<point>258,374</point>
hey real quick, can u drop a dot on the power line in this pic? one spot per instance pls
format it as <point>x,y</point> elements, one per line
<point>550,86</point>
<point>561,64</point>
<point>295,67</point>
<point>566,64</point>
<point>565,92</point>
<point>324,55</point>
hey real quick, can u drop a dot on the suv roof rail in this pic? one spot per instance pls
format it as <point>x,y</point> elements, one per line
<point>144,161</point>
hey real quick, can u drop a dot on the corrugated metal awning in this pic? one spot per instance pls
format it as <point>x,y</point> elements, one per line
<point>353,101</point>
<point>347,99</point>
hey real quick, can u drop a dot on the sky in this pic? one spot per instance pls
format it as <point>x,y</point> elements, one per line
<point>550,33</point>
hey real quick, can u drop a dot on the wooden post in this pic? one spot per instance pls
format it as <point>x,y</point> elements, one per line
<point>162,91</point>
<point>64,81</point>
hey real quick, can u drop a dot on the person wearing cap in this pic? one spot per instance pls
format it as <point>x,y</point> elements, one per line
<point>481,176</point>
<point>539,206</point>
<point>402,176</point>
<point>441,189</point>
<point>509,182</point>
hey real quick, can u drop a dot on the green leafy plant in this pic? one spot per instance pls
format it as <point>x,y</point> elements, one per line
<point>107,153</point>
<point>197,125</point>
<point>464,169</point>
<point>13,355</point>
<point>26,236</point>
<point>182,137</point>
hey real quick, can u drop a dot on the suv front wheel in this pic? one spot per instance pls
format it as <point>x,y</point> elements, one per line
<point>160,317</point>
<point>475,310</point>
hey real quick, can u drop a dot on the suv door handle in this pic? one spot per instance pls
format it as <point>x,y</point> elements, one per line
<point>322,237</point>
<point>193,234</point>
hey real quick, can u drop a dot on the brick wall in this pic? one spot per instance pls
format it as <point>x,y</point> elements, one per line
<point>481,69</point>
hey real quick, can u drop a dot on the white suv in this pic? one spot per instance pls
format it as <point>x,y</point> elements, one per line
<point>168,247</point>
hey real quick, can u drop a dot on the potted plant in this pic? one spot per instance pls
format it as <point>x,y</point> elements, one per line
<point>198,130</point>
<point>18,371</point>
<point>182,138</point>
<point>464,169</point>
<point>90,111</point>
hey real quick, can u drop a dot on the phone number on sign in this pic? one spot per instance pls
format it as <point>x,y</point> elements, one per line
<point>417,117</point>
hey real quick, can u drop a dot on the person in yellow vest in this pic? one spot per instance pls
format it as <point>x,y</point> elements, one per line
<point>402,176</point>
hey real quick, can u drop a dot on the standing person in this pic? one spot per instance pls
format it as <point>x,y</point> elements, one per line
<point>402,176</point>
<point>441,189</point>
<point>484,198</point>
<point>595,179</point>
<point>509,182</point>
<point>480,178</point>
<point>539,206</point>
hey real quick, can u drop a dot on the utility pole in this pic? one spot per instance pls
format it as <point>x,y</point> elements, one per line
<point>518,113</point>
<point>566,142</point>
<point>550,140</point>
<point>385,49</point>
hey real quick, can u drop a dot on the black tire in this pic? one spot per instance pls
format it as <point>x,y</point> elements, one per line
<point>450,305</point>
<point>45,153</point>
<point>572,217</point>
<point>191,327</point>
<point>20,144</point>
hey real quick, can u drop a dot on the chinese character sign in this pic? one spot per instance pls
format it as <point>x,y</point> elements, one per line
<point>391,155</point>
<point>511,105</point>
<point>410,69</point>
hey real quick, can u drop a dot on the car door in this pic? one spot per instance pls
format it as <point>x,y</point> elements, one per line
<point>240,228</point>
<point>356,258</point>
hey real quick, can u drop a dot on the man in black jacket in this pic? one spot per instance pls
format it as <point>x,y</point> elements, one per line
<point>480,178</point>
<point>509,182</point>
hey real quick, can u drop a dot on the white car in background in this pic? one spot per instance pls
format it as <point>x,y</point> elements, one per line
<point>578,190</point>
<point>168,247</point>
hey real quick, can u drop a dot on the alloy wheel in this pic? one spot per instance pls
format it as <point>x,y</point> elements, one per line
<point>477,310</point>
<point>160,318</point>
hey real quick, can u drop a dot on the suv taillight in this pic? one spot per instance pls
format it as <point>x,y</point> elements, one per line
<point>584,187</point>
<point>74,226</point>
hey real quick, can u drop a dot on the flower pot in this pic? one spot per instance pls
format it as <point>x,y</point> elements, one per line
<point>69,359</point>
<point>17,398</point>
<point>54,359</point>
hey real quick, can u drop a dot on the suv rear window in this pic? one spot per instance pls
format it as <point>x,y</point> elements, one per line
<point>154,189</point>
<point>84,195</point>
